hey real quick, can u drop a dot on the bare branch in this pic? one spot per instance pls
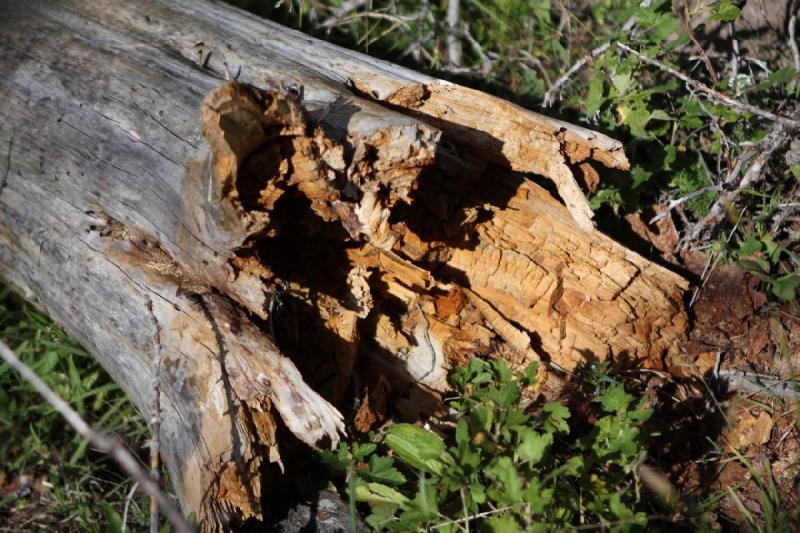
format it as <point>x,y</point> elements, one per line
<point>102,441</point>
<point>128,500</point>
<point>486,63</point>
<point>564,78</point>
<point>683,199</point>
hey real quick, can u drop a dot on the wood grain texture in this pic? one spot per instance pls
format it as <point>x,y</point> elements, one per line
<point>327,216</point>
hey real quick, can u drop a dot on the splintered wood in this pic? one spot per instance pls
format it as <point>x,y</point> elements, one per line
<point>317,256</point>
<point>412,254</point>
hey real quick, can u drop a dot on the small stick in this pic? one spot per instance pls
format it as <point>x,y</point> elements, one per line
<point>678,201</point>
<point>700,50</point>
<point>102,441</point>
<point>564,78</point>
<point>128,500</point>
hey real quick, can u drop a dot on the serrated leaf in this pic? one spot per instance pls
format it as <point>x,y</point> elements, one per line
<point>419,448</point>
<point>533,445</point>
<point>378,493</point>
<point>785,287</point>
<point>615,399</point>
<point>381,516</point>
<point>725,10</point>
<point>639,176</point>
<point>555,419</point>
<point>504,471</point>
<point>382,470</point>
<point>361,450</point>
<point>782,76</point>
<point>750,246</point>
<point>503,523</point>
<point>505,395</point>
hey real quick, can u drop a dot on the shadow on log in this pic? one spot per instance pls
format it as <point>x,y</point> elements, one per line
<point>319,241</point>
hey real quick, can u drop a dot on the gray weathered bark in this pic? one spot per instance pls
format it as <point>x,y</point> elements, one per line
<point>386,209</point>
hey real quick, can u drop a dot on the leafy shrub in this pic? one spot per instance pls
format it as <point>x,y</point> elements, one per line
<point>504,468</point>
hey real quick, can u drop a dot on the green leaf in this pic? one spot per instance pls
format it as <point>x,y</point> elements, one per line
<point>639,176</point>
<point>423,508</point>
<point>113,518</point>
<point>381,516</point>
<point>484,416</point>
<point>506,395</point>
<point>533,445</point>
<point>462,433</point>
<point>361,450</point>
<point>378,493</point>
<point>594,99</point>
<point>636,119</point>
<point>724,10</point>
<point>785,287</point>
<point>782,76</point>
<point>419,448</point>
<point>504,471</point>
<point>622,82</point>
<point>502,371</point>
<point>501,523</point>
<point>750,246</point>
<point>555,419</point>
<point>757,267</point>
<point>338,459</point>
<point>616,400</point>
<point>531,372</point>
<point>381,469</point>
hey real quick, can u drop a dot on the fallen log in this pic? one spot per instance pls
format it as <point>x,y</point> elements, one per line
<point>322,238</point>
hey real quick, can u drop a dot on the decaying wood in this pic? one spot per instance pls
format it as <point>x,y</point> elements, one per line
<point>320,240</point>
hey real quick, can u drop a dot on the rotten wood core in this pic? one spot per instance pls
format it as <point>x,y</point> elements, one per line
<point>319,242</point>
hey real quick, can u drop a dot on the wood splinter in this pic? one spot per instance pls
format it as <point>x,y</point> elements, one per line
<point>396,214</point>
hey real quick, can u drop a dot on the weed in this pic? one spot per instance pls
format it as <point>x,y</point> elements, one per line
<point>504,468</point>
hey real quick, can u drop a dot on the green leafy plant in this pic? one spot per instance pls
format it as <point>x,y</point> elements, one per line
<point>777,265</point>
<point>504,467</point>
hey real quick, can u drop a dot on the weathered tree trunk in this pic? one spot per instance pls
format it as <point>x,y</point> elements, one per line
<point>327,216</point>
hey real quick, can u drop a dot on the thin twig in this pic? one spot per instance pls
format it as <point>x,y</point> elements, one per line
<point>678,201</point>
<point>472,517</point>
<point>714,95</point>
<point>700,50</point>
<point>564,78</point>
<point>104,442</point>
<point>537,64</point>
<point>128,500</point>
<point>486,63</point>
<point>734,59</point>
